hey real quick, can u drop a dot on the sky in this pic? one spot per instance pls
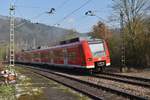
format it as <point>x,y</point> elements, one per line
<point>35,11</point>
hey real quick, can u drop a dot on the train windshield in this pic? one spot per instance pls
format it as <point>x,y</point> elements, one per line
<point>97,49</point>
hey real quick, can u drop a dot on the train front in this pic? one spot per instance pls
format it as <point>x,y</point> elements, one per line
<point>97,54</point>
<point>100,53</point>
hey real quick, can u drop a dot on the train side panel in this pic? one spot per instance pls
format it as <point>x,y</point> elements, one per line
<point>58,56</point>
<point>88,59</point>
<point>75,55</point>
<point>44,56</point>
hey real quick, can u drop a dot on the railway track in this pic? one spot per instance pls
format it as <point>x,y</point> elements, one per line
<point>144,82</point>
<point>95,91</point>
<point>130,77</point>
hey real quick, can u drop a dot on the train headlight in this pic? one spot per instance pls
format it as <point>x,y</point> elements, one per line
<point>99,59</point>
<point>90,59</point>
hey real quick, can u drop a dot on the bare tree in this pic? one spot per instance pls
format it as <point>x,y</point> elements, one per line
<point>133,12</point>
<point>134,29</point>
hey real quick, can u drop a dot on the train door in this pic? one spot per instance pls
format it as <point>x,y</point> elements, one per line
<point>65,56</point>
<point>51,57</point>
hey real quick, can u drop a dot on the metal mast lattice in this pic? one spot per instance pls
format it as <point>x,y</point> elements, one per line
<point>12,40</point>
<point>123,58</point>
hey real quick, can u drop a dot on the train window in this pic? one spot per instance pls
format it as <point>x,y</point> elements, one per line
<point>36,55</point>
<point>72,55</point>
<point>58,54</point>
<point>44,55</point>
<point>97,49</point>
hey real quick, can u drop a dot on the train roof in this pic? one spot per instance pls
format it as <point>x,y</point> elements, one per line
<point>90,40</point>
<point>69,42</point>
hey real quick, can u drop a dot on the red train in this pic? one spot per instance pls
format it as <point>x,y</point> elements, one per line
<point>75,53</point>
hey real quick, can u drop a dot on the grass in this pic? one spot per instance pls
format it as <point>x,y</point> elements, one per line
<point>37,92</point>
<point>7,89</point>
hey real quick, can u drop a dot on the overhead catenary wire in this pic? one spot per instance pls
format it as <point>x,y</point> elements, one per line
<point>62,4</point>
<point>68,15</point>
<point>83,18</point>
<point>29,7</point>
<point>19,13</point>
<point>35,17</point>
<point>36,7</point>
<point>91,13</point>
